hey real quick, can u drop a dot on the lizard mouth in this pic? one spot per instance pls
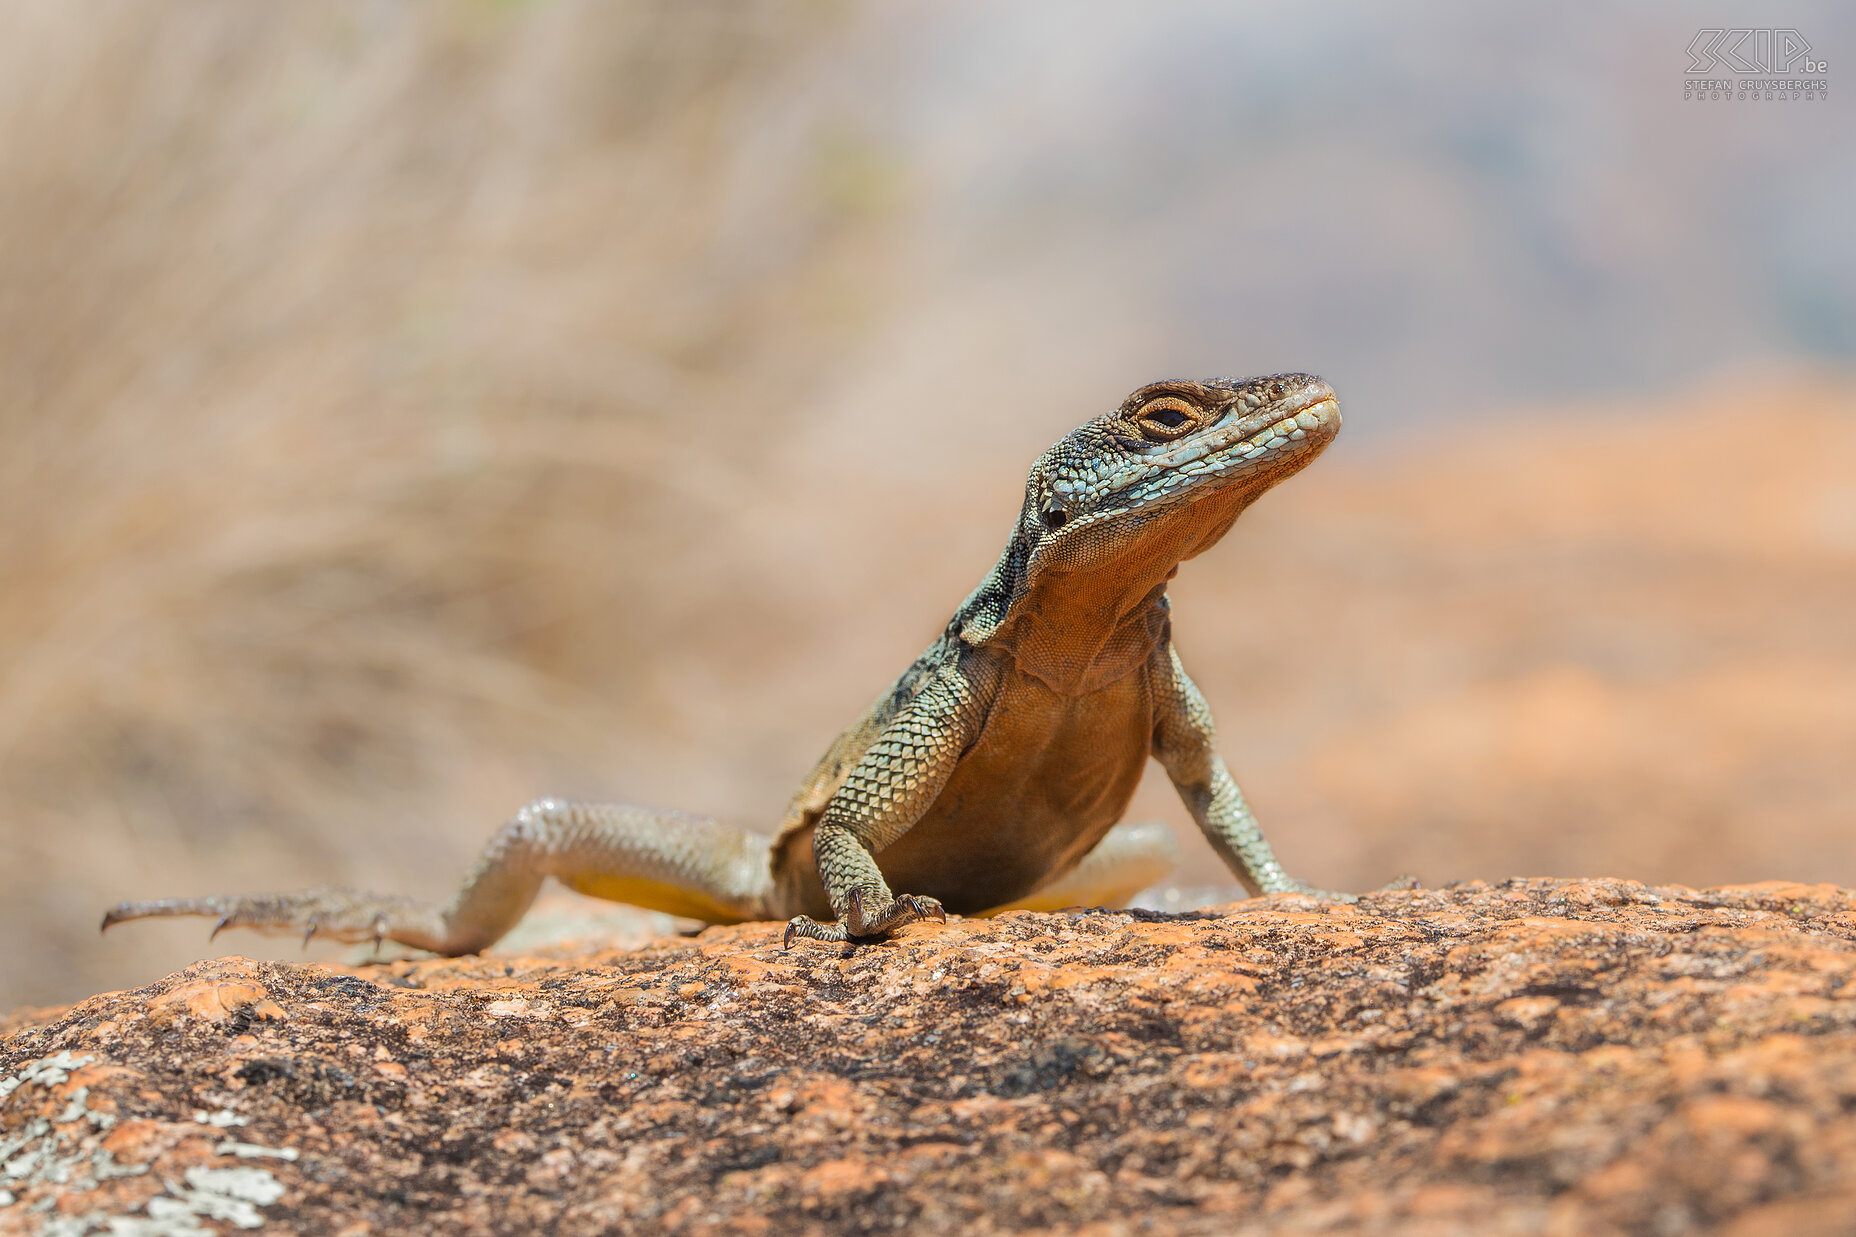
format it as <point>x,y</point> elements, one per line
<point>1309,413</point>
<point>1249,446</point>
<point>1290,431</point>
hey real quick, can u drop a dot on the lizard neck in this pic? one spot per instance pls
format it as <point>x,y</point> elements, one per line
<point>1078,629</point>
<point>1079,640</point>
<point>1075,632</point>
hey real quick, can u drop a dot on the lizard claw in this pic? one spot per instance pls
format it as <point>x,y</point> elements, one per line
<point>860,921</point>
<point>1326,895</point>
<point>923,908</point>
<point>805,927</point>
<point>859,924</point>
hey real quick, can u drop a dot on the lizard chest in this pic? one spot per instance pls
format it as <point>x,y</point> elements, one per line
<point>1048,775</point>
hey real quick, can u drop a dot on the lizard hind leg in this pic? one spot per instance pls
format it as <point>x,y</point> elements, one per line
<point>667,861</point>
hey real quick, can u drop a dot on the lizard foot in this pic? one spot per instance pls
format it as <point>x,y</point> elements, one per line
<point>1326,895</point>
<point>346,915</point>
<point>860,923</point>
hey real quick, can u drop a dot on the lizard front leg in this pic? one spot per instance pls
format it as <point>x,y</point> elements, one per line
<point>1186,747</point>
<point>885,793</point>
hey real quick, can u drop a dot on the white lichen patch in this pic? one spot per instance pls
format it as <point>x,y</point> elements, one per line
<point>52,1158</point>
<point>230,1194</point>
<point>219,1119</point>
<point>46,1071</point>
<point>252,1151</point>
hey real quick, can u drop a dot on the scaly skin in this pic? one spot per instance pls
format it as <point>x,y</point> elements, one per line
<point>993,772</point>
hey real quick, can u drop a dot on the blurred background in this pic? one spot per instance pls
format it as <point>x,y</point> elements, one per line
<point>410,410</point>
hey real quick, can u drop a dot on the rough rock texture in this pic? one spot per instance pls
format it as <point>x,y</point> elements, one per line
<point>1540,1056</point>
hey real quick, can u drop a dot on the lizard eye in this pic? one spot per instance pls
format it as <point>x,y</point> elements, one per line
<point>1165,418</point>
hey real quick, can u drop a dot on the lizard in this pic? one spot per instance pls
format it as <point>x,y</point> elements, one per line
<point>995,771</point>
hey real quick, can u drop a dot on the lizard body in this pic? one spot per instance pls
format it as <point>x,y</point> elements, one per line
<point>994,772</point>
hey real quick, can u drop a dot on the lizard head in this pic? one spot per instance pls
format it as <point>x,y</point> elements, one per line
<point>1161,478</point>
<point>1117,504</point>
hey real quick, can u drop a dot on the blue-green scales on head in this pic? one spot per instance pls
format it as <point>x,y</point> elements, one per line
<point>1103,493</point>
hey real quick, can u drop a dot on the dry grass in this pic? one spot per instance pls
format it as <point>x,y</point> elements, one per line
<point>362,370</point>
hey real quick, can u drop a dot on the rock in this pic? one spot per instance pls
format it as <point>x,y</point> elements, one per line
<point>1538,1056</point>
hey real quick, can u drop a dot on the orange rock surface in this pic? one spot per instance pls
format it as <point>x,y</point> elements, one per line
<point>1538,1056</point>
